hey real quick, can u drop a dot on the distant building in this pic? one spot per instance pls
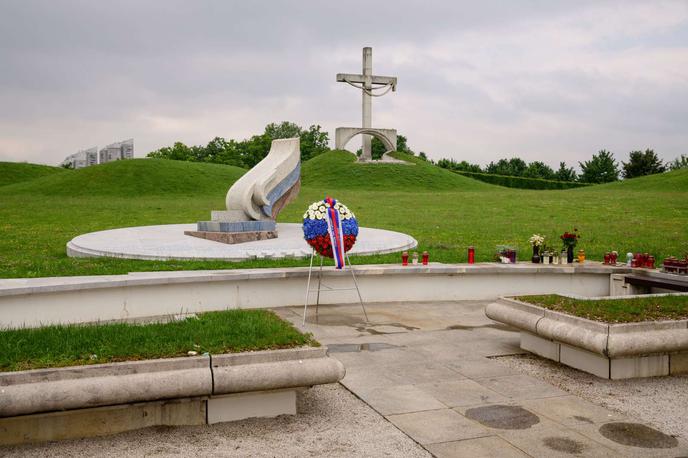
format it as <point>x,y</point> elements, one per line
<point>81,159</point>
<point>117,151</point>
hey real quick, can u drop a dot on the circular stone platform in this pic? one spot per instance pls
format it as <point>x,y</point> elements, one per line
<point>168,242</point>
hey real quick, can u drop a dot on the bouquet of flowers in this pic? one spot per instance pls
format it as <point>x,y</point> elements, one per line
<point>570,239</point>
<point>537,240</point>
<point>318,220</point>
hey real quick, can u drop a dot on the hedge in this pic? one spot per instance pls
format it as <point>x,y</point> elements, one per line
<point>520,182</point>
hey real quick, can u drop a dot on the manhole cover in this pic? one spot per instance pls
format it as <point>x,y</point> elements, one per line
<point>503,417</point>
<point>564,445</point>
<point>637,435</point>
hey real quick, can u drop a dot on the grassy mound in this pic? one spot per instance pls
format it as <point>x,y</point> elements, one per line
<point>134,178</point>
<point>17,172</point>
<point>339,170</point>
<point>674,181</point>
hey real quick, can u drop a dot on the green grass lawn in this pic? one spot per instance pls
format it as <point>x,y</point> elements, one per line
<point>629,310</point>
<point>213,332</point>
<point>444,211</point>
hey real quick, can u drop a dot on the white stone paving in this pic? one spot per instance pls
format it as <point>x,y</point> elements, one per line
<point>167,242</point>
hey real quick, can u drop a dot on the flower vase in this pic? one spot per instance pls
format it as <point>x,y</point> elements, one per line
<point>536,255</point>
<point>569,254</point>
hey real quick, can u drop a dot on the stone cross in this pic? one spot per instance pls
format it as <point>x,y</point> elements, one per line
<point>368,83</point>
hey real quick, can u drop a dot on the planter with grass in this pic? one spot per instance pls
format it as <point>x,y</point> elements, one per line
<point>611,337</point>
<point>83,380</point>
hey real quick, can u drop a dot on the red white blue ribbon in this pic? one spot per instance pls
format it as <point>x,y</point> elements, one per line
<point>334,228</point>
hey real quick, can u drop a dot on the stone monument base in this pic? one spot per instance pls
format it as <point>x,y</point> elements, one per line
<point>233,237</point>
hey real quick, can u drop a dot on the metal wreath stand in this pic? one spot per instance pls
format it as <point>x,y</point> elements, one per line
<point>325,288</point>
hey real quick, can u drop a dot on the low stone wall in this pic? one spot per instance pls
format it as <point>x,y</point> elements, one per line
<point>175,391</point>
<point>41,301</point>
<point>613,351</point>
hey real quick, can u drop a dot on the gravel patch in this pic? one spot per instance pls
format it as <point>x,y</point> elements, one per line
<point>331,423</point>
<point>659,401</point>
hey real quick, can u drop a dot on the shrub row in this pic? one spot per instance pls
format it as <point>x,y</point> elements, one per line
<point>520,182</point>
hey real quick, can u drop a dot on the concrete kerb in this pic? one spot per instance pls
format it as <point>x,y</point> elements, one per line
<point>627,344</point>
<point>79,387</point>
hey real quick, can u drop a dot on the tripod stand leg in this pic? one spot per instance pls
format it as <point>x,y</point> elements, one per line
<point>360,299</point>
<point>317,300</point>
<point>308,288</point>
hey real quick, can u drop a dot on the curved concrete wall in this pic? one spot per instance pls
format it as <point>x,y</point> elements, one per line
<point>40,301</point>
<point>78,387</point>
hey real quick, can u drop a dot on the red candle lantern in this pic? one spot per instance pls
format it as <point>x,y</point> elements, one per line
<point>404,258</point>
<point>471,255</point>
<point>426,258</point>
<point>607,258</point>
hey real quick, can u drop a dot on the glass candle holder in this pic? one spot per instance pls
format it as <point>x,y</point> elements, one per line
<point>581,256</point>
<point>426,258</point>
<point>471,255</point>
<point>414,258</point>
<point>404,258</point>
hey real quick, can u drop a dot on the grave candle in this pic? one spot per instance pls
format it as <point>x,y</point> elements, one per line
<point>404,258</point>
<point>471,255</point>
<point>426,257</point>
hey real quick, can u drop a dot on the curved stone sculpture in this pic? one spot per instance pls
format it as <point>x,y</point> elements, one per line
<point>257,194</point>
<point>254,200</point>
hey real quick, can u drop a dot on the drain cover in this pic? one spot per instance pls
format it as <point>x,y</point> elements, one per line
<point>637,435</point>
<point>354,348</point>
<point>503,417</point>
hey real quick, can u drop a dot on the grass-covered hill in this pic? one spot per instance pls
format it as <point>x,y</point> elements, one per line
<point>674,181</point>
<point>339,170</point>
<point>444,211</point>
<point>134,178</point>
<point>17,172</point>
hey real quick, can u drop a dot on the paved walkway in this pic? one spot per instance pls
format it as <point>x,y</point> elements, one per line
<point>428,369</point>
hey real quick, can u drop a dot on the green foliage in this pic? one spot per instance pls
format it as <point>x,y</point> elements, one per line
<point>520,182</point>
<point>654,308</point>
<point>679,163</point>
<point>537,169</point>
<point>228,331</point>
<point>565,173</point>
<point>514,167</point>
<point>602,168</point>
<point>642,163</point>
<point>247,153</point>
<point>377,148</point>
<point>17,172</point>
<point>462,166</point>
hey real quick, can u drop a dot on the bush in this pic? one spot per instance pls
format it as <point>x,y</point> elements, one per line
<point>520,182</point>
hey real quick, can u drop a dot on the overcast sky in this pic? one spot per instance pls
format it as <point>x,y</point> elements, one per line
<point>478,81</point>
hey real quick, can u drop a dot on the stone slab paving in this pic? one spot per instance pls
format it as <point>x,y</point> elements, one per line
<point>427,368</point>
<point>167,242</point>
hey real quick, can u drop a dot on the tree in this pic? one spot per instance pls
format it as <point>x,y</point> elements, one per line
<point>602,168</point>
<point>178,152</point>
<point>313,142</point>
<point>514,167</point>
<point>537,169</point>
<point>377,148</point>
<point>679,163</point>
<point>642,163</point>
<point>565,173</point>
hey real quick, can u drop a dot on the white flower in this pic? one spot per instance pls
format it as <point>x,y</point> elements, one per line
<point>322,209</point>
<point>537,240</point>
<point>311,214</point>
<point>318,215</point>
<point>305,215</point>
